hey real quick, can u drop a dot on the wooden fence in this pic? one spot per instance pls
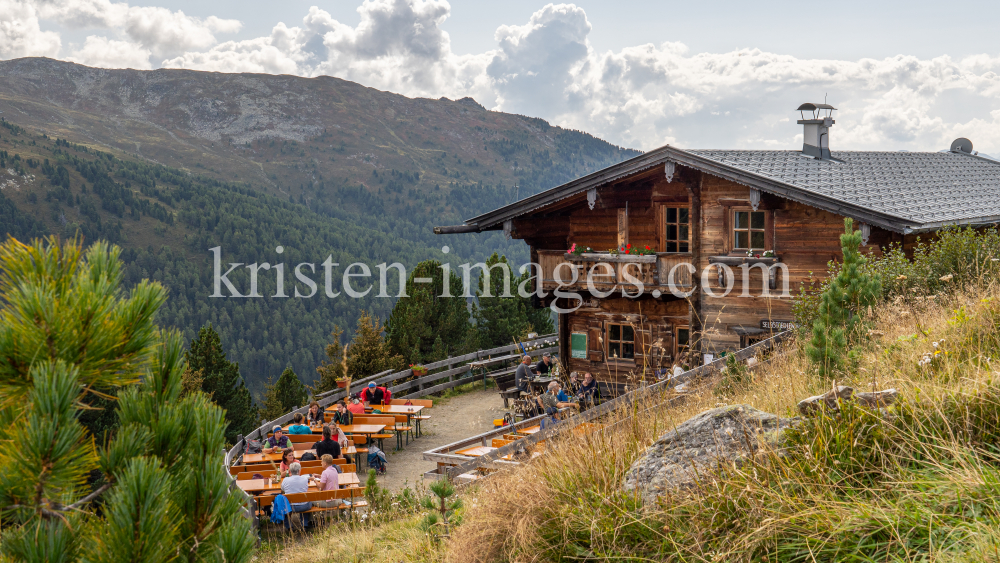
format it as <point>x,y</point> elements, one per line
<point>492,460</point>
<point>446,369</point>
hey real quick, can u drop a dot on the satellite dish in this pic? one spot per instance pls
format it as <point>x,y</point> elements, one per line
<point>961,144</point>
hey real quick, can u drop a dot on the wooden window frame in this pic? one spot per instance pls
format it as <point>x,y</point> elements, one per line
<point>677,341</point>
<point>729,229</point>
<point>661,223</point>
<point>621,341</point>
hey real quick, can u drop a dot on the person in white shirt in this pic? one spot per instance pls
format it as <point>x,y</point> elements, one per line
<point>296,483</point>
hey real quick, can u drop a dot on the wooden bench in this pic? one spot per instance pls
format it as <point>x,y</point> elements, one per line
<point>344,468</point>
<point>388,420</point>
<point>505,384</point>
<point>498,443</point>
<point>354,495</point>
<point>402,426</point>
<point>426,403</point>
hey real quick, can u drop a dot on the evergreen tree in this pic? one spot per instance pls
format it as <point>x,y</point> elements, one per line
<point>418,319</point>
<point>369,353</point>
<point>499,319</point>
<point>222,382</point>
<point>94,337</point>
<point>271,406</point>
<point>847,295</point>
<point>284,395</point>
<point>332,367</point>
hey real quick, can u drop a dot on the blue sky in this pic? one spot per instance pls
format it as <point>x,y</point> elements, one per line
<point>723,74</point>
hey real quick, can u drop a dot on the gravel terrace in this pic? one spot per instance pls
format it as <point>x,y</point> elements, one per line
<point>451,420</point>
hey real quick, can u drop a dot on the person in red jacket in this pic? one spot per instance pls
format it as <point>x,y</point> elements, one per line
<point>376,395</point>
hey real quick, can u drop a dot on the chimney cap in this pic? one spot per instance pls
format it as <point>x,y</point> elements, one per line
<point>814,107</point>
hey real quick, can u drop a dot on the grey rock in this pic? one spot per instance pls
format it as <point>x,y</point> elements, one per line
<point>832,398</point>
<point>721,435</point>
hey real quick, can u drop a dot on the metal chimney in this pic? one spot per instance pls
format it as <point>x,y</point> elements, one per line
<point>816,130</point>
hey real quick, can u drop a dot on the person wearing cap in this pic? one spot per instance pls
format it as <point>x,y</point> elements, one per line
<point>376,395</point>
<point>523,374</point>
<point>277,442</point>
<point>544,365</point>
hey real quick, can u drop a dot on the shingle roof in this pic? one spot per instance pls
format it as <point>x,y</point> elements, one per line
<point>900,191</point>
<point>917,187</point>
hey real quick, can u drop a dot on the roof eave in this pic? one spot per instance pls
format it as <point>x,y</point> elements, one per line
<point>984,221</point>
<point>667,153</point>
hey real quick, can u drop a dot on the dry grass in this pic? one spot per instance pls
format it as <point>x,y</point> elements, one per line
<point>850,488</point>
<point>399,541</point>
<point>569,504</point>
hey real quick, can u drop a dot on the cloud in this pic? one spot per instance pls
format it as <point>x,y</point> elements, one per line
<point>537,62</point>
<point>109,53</point>
<point>640,96</point>
<point>158,30</point>
<point>21,34</point>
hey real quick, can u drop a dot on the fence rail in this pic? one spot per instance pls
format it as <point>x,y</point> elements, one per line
<point>492,459</point>
<point>411,389</point>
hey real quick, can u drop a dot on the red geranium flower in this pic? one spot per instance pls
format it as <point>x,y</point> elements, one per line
<point>628,246</point>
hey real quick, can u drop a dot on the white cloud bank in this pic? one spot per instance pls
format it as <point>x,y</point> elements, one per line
<point>641,96</point>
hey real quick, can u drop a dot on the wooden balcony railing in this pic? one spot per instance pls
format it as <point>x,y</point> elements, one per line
<point>607,272</point>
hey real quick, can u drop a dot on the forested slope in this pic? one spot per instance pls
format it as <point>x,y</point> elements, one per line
<point>369,186</point>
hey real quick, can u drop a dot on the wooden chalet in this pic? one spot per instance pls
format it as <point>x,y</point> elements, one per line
<point>709,209</point>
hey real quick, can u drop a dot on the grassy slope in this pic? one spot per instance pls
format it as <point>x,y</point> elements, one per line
<point>920,487</point>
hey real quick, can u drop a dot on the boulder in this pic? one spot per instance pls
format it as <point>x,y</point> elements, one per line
<point>832,398</point>
<point>724,434</point>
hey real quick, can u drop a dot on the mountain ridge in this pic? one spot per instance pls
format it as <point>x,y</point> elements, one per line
<point>171,163</point>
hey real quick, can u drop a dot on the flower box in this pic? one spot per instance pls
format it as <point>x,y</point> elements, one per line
<point>611,258</point>
<point>341,383</point>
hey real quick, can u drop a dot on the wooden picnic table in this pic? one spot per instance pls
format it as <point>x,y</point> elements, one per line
<point>258,486</point>
<point>475,451</point>
<point>530,430</point>
<point>314,429</point>
<point>362,428</point>
<point>260,458</point>
<point>540,383</point>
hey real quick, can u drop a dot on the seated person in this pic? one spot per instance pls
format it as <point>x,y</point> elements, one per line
<point>287,459</point>
<point>329,480</point>
<point>544,365</point>
<point>296,483</point>
<point>523,374</point>
<point>356,407</point>
<point>342,415</point>
<point>276,442</point>
<point>297,427</point>
<point>574,383</point>
<point>316,414</point>
<point>327,446</point>
<point>588,389</point>
<point>550,403</point>
<point>563,398</point>
<point>376,395</point>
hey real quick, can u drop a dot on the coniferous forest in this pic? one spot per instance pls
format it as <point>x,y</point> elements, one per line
<point>166,220</point>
